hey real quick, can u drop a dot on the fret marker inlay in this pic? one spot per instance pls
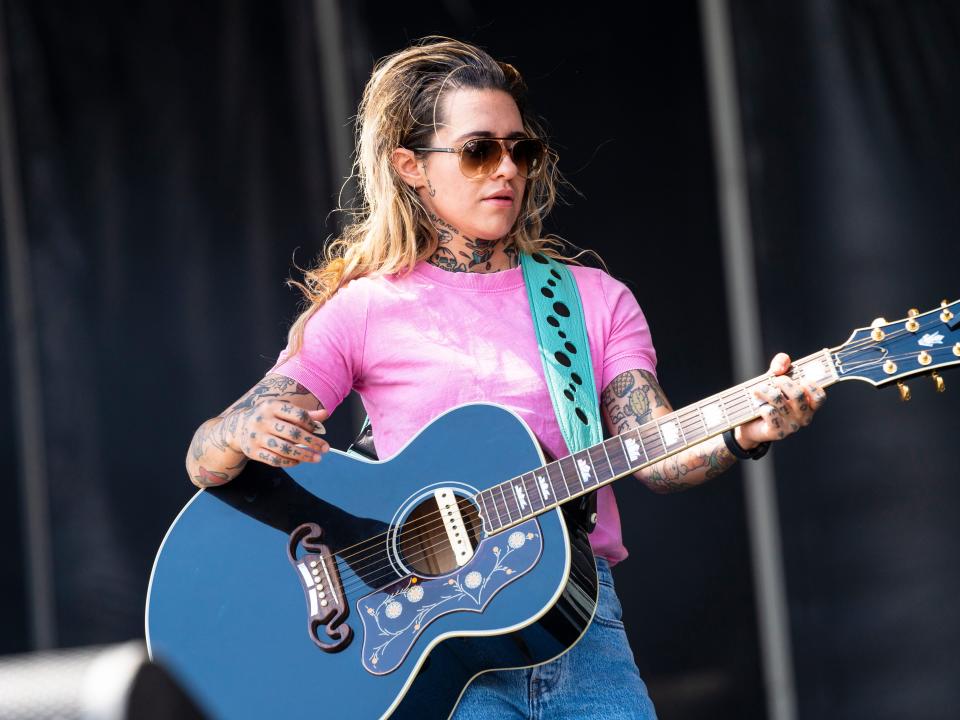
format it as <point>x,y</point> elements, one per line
<point>670,433</point>
<point>544,486</point>
<point>633,449</point>
<point>713,415</point>
<point>521,496</point>
<point>585,470</point>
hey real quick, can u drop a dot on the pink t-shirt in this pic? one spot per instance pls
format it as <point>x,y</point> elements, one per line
<point>415,346</point>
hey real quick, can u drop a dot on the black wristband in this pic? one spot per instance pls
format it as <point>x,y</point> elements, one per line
<point>734,447</point>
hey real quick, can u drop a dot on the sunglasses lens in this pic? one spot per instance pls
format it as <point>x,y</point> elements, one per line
<point>481,157</point>
<point>528,155</point>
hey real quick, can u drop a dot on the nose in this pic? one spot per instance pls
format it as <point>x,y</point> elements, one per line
<point>507,167</point>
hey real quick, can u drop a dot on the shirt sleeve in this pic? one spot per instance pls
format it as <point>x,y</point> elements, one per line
<point>330,360</point>
<point>629,345</point>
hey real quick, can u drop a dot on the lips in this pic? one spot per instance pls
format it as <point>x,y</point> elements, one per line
<point>501,195</point>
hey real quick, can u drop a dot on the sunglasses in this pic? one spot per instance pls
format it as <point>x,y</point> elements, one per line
<point>480,157</point>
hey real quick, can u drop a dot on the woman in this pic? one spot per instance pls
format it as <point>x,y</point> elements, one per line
<point>420,305</point>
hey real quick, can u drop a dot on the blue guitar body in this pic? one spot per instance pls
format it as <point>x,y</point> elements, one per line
<point>334,589</point>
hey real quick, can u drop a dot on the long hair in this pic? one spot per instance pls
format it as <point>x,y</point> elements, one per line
<point>401,107</point>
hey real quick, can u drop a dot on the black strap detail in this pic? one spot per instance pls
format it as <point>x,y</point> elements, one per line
<point>363,445</point>
<point>734,447</point>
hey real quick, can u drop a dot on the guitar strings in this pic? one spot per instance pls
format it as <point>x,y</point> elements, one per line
<point>733,408</point>
<point>684,416</point>
<point>431,518</point>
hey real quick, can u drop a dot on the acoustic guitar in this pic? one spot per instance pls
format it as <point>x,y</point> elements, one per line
<point>360,589</point>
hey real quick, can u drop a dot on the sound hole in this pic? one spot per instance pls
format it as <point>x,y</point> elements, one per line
<point>424,543</point>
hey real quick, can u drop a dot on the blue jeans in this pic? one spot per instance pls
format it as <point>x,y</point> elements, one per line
<point>596,678</point>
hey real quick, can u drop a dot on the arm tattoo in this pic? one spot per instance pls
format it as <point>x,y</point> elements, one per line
<point>628,402</point>
<point>206,478</point>
<point>668,476</point>
<point>630,398</point>
<point>215,435</point>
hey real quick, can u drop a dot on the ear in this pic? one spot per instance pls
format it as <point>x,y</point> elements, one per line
<point>405,163</point>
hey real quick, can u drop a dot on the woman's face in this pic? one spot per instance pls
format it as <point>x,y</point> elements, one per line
<point>452,197</point>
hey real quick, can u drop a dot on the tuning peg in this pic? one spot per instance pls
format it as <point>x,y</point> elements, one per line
<point>877,334</point>
<point>938,381</point>
<point>904,391</point>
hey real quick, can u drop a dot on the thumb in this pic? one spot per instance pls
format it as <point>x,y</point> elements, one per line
<point>780,364</point>
<point>315,417</point>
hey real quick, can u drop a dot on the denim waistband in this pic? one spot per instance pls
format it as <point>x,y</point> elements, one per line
<point>604,573</point>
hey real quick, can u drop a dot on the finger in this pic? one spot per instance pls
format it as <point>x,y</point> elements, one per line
<point>296,415</point>
<point>271,458</point>
<point>796,397</point>
<point>773,422</point>
<point>780,364</point>
<point>815,394</point>
<point>284,448</point>
<point>292,429</point>
<point>771,394</point>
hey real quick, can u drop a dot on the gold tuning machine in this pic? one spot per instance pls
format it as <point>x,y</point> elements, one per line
<point>878,334</point>
<point>938,381</point>
<point>904,390</point>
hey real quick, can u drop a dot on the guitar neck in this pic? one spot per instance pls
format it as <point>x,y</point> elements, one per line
<point>549,486</point>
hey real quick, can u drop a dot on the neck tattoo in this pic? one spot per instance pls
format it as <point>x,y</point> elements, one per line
<point>458,253</point>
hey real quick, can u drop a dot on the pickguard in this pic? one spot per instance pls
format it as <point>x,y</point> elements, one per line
<point>395,617</point>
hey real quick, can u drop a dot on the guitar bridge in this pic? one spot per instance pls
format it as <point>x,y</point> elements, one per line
<point>317,571</point>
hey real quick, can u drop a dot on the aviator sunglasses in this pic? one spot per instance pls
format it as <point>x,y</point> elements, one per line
<point>480,157</point>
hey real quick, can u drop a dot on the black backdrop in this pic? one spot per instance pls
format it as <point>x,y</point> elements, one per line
<point>173,160</point>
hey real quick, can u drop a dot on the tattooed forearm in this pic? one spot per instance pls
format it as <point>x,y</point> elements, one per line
<point>221,446</point>
<point>688,468</point>
<point>634,398</point>
<point>206,478</point>
<point>271,386</point>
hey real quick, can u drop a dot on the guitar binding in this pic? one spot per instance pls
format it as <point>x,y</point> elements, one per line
<point>317,571</point>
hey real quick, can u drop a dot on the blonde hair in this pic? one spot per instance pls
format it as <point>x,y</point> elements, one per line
<point>391,230</point>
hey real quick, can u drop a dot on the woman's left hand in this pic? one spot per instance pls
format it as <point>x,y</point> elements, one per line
<point>789,406</point>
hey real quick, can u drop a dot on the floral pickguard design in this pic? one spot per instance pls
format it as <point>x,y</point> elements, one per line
<point>393,619</point>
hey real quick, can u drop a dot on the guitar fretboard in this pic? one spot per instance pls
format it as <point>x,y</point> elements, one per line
<point>550,485</point>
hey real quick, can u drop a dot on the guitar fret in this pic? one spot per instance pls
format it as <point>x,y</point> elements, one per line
<point>533,492</point>
<point>632,447</point>
<point>623,459</point>
<point>713,413</point>
<point>650,441</point>
<point>695,429</point>
<point>586,472</point>
<point>486,510</point>
<point>567,468</point>
<point>606,455</point>
<point>670,432</point>
<point>501,511</point>
<point>506,504</point>
<point>520,494</point>
<point>595,477</point>
<point>556,485</point>
<point>544,486</point>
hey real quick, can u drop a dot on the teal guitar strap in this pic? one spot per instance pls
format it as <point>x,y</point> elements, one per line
<point>564,348</point>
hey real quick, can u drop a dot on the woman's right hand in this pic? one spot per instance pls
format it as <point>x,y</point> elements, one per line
<point>277,432</point>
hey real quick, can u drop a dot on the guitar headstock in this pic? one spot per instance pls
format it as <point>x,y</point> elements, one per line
<point>887,352</point>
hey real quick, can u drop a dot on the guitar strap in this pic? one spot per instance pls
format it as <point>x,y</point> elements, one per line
<point>565,353</point>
